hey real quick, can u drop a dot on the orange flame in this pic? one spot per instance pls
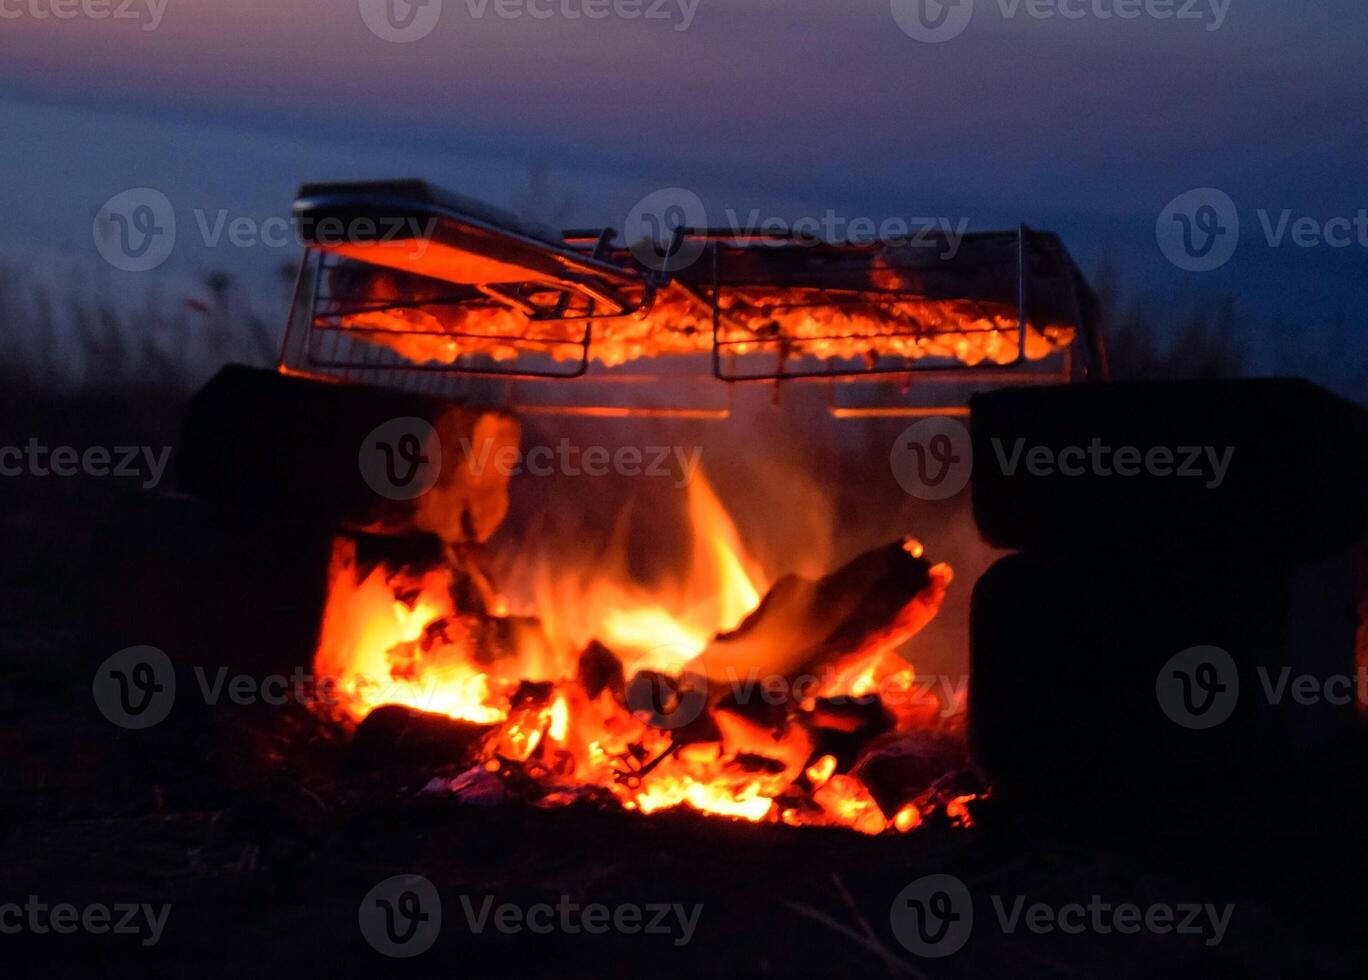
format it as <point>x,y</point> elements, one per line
<point>395,636</point>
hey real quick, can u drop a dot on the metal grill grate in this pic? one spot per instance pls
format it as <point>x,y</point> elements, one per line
<point>878,311</point>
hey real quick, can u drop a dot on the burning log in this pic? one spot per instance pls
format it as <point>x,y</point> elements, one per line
<point>753,705</point>
<point>399,735</point>
<point>531,694</point>
<point>899,769</point>
<point>849,803</point>
<point>839,624</point>
<point>835,625</point>
<point>863,717</point>
<point>760,730</point>
<point>844,727</point>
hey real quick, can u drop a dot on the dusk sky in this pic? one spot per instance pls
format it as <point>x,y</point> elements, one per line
<point>1087,125</point>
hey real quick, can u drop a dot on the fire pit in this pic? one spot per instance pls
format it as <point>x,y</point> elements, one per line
<point>555,572</point>
<point>718,690</point>
<point>783,690</point>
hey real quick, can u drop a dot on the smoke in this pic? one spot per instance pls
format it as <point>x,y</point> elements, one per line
<point>806,491</point>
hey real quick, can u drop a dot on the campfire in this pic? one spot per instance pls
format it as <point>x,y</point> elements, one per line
<point>784,701</point>
<point>372,657</point>
<point>782,690</point>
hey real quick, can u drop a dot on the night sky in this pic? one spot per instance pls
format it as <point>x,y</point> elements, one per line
<point>1087,125</point>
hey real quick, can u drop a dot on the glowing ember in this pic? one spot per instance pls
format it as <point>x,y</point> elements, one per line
<point>820,771</point>
<point>907,818</point>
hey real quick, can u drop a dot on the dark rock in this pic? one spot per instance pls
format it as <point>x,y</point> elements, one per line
<point>1295,480</point>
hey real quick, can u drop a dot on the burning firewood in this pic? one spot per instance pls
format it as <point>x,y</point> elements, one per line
<point>900,768</point>
<point>739,696</point>
<point>395,733</point>
<point>819,634</point>
<point>770,722</point>
<point>844,727</point>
